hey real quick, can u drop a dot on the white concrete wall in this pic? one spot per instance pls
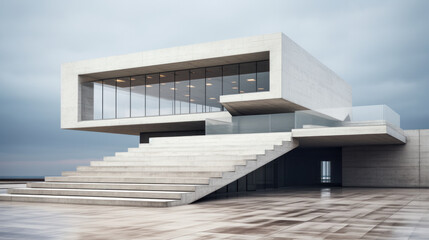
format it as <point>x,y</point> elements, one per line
<point>297,80</point>
<point>390,165</point>
<point>308,82</point>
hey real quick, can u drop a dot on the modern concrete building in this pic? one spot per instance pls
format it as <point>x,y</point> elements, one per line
<point>225,117</point>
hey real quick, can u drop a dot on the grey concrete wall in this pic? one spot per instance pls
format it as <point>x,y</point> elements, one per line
<point>389,165</point>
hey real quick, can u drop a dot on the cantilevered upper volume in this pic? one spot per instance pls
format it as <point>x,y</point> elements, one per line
<point>177,89</point>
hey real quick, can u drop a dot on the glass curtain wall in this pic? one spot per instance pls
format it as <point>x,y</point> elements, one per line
<point>168,93</point>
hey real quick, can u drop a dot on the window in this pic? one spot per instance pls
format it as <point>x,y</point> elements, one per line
<point>152,95</point>
<point>263,76</point>
<point>197,89</point>
<point>230,79</point>
<point>325,176</point>
<point>248,77</point>
<point>213,89</point>
<point>109,98</point>
<point>181,92</point>
<point>138,96</point>
<point>167,89</point>
<point>177,92</point>
<point>123,97</point>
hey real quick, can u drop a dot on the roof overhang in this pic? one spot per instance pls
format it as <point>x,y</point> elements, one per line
<point>349,136</point>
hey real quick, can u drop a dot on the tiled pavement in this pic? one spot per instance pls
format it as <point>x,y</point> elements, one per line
<point>329,213</point>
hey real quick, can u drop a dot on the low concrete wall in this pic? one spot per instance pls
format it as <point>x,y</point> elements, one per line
<point>390,165</point>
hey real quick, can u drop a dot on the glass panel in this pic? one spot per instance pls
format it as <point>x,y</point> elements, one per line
<point>182,92</point>
<point>213,89</point>
<point>109,98</point>
<point>92,100</point>
<point>123,97</point>
<point>152,95</point>
<point>197,88</point>
<point>263,76</point>
<point>138,96</point>
<point>248,77</point>
<point>167,93</point>
<point>230,79</point>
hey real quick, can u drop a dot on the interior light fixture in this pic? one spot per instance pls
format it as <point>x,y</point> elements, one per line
<point>234,87</point>
<point>132,79</point>
<point>251,80</point>
<point>209,84</point>
<point>119,80</point>
<point>192,100</point>
<point>172,88</point>
<point>261,88</point>
<point>148,85</point>
<point>241,91</point>
<point>190,86</point>
<point>212,98</point>
<point>186,95</point>
<point>234,82</point>
<point>162,84</point>
<point>149,77</point>
<point>161,75</point>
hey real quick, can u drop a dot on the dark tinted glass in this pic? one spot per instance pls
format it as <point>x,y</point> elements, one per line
<point>109,98</point>
<point>197,88</point>
<point>263,76</point>
<point>182,92</point>
<point>138,98</point>
<point>213,89</point>
<point>123,97</point>
<point>230,79</point>
<point>152,94</point>
<point>248,77</point>
<point>167,93</point>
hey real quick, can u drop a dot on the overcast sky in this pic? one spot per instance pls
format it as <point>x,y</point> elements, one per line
<point>380,47</point>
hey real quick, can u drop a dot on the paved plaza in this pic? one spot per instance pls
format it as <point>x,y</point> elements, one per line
<point>326,213</point>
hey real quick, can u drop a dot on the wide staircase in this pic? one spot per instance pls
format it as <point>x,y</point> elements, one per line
<point>168,171</point>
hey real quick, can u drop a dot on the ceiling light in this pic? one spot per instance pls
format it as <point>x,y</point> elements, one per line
<point>172,88</point>
<point>261,88</point>
<point>119,80</point>
<point>234,87</point>
<point>191,86</point>
<point>148,85</point>
<point>162,84</point>
<point>149,77</point>
<point>241,91</point>
<point>162,75</point>
<point>192,100</point>
<point>209,84</point>
<point>212,98</point>
<point>186,95</point>
<point>234,82</point>
<point>251,80</point>
<point>132,79</point>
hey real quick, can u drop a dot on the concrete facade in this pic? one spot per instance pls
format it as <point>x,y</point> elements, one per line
<point>296,78</point>
<point>389,165</point>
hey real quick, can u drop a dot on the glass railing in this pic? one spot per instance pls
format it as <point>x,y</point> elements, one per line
<point>285,122</point>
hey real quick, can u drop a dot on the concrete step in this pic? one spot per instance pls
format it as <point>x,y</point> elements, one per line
<point>218,153</point>
<point>135,202</point>
<point>169,163</point>
<point>97,193</point>
<point>156,168</point>
<point>114,186</point>
<point>183,157</point>
<point>143,174</point>
<point>244,138</point>
<point>214,144</point>
<point>169,180</point>
<point>201,148</point>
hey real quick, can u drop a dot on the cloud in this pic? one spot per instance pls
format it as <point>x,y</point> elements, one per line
<point>380,47</point>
